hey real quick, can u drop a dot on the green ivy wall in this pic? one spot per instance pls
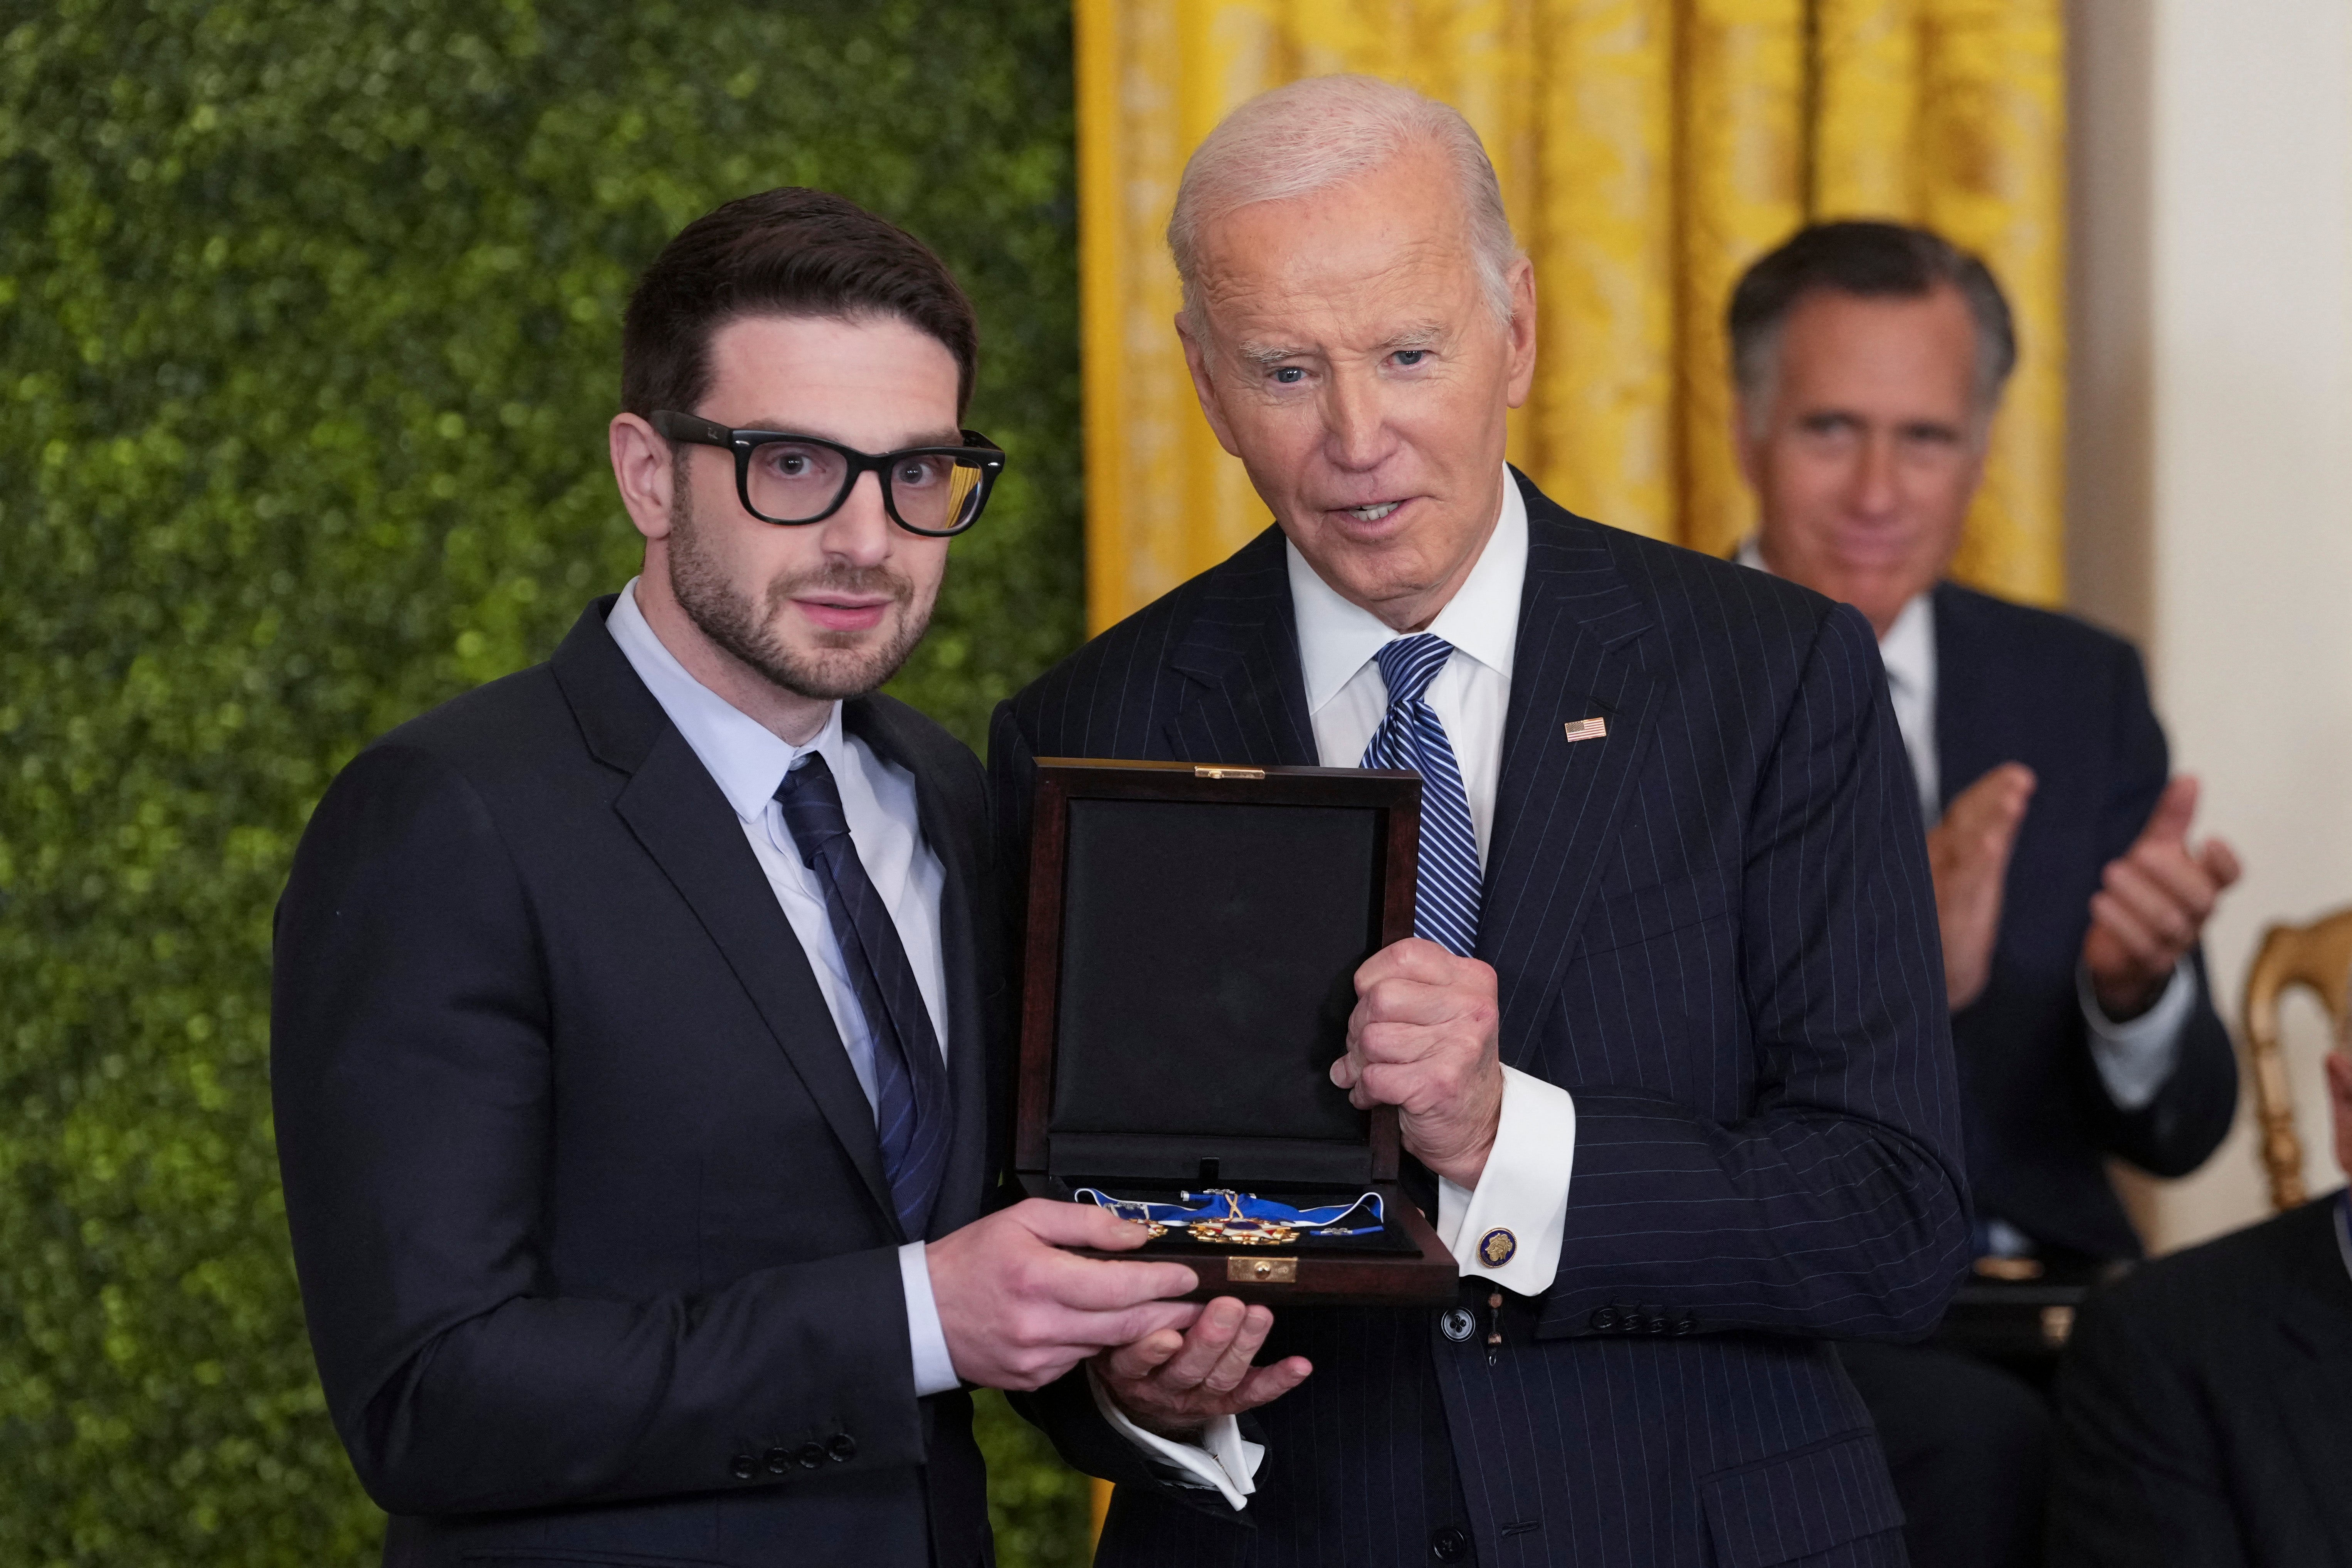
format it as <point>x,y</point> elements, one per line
<point>309,331</point>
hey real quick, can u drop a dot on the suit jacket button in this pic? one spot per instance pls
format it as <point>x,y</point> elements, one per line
<point>1687,1325</point>
<point>1604,1321</point>
<point>744,1467</point>
<point>811,1456</point>
<point>1657,1323</point>
<point>843,1447</point>
<point>778,1460</point>
<point>1449,1544</point>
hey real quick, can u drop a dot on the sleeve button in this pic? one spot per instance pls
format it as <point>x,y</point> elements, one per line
<point>778,1460</point>
<point>1686,1326</point>
<point>843,1447</point>
<point>1604,1320</point>
<point>812,1455</point>
<point>744,1467</point>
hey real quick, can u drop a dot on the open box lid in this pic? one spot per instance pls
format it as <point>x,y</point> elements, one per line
<point>1189,970</point>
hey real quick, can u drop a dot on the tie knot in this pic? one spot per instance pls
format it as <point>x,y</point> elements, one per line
<point>812,802</point>
<point>1409,664</point>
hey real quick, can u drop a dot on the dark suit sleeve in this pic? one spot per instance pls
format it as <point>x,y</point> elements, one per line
<point>1837,1206</point>
<point>414,1086</point>
<point>2135,1473</point>
<point>2173,1133</point>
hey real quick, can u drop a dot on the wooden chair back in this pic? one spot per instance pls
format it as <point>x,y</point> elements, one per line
<point>2318,955</point>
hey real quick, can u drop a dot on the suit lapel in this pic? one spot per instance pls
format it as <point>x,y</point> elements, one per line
<point>1579,656</point>
<point>686,826</point>
<point>1967,718</point>
<point>1239,650</point>
<point>877,724</point>
<point>678,814</point>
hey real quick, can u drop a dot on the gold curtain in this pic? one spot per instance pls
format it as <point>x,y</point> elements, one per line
<point>1649,149</point>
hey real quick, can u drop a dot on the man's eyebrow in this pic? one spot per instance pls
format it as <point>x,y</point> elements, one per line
<point>1425,336</point>
<point>1262,354</point>
<point>931,438</point>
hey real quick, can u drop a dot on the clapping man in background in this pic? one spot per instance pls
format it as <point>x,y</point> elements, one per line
<point>1869,360</point>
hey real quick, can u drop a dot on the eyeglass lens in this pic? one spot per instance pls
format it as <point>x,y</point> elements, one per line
<point>792,482</point>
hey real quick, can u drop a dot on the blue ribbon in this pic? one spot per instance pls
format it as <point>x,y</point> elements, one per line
<point>1228,1206</point>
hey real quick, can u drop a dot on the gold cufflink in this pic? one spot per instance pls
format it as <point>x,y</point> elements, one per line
<point>1496,1247</point>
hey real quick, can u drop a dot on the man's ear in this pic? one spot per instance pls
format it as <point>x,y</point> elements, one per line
<point>1745,445</point>
<point>642,469</point>
<point>1196,360</point>
<point>1522,282</point>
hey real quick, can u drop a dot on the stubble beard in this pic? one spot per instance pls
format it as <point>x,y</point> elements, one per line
<point>841,665</point>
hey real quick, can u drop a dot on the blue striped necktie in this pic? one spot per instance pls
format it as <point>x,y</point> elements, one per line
<point>1412,737</point>
<point>911,1109</point>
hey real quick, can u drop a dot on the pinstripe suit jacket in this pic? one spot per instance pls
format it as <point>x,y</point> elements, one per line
<point>1715,927</point>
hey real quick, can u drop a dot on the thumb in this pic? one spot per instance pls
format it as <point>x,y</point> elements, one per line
<point>2175,810</point>
<point>2221,862</point>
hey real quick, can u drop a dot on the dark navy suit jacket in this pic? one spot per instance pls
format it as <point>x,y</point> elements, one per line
<point>2205,1408</point>
<point>1714,926</point>
<point>586,1201</point>
<point>2014,684</point>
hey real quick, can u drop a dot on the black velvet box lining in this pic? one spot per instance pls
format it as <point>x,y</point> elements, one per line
<point>1207,972</point>
<point>1208,963</point>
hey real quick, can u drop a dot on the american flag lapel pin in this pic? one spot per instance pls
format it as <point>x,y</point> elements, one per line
<point>1587,729</point>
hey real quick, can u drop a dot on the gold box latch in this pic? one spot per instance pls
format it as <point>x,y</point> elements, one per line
<point>1261,1270</point>
<point>1209,772</point>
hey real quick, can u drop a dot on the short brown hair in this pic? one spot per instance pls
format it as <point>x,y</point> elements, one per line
<point>786,252</point>
<point>1872,260</point>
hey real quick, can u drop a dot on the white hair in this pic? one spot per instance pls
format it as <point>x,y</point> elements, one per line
<point>1324,131</point>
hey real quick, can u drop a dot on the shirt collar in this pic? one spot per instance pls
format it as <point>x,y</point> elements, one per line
<point>743,756</point>
<point>1908,649</point>
<point>1337,638</point>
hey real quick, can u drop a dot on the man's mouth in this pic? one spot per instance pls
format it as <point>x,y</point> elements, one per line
<point>1373,512</point>
<point>844,614</point>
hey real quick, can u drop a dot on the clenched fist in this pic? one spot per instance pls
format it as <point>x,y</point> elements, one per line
<point>1424,1037</point>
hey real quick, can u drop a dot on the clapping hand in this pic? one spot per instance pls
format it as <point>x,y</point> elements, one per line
<point>2152,904</point>
<point>1967,856</point>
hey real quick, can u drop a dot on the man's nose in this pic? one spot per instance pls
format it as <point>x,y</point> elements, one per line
<point>861,531</point>
<point>1355,422</point>
<point>1875,490</point>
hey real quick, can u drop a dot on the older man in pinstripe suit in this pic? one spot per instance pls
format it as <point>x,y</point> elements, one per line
<point>1670,1041</point>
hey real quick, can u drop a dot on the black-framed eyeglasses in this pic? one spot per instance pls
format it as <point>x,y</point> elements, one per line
<point>936,491</point>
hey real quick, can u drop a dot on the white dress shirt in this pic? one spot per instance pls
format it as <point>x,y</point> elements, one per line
<point>2134,1059</point>
<point>1524,1189</point>
<point>748,762</point>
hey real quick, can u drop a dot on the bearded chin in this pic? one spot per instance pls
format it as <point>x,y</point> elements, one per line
<point>841,665</point>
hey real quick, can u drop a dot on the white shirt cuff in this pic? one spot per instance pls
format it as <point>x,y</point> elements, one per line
<point>2134,1059</point>
<point>1519,1207</point>
<point>1224,1460</point>
<point>935,1370</point>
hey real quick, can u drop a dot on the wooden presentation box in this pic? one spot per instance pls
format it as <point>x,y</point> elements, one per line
<point>1189,970</point>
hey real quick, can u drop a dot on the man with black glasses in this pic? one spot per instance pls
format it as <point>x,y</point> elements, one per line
<point>633,1013</point>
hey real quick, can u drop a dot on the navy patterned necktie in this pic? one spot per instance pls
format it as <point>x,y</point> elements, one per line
<point>912,1109</point>
<point>1412,737</point>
